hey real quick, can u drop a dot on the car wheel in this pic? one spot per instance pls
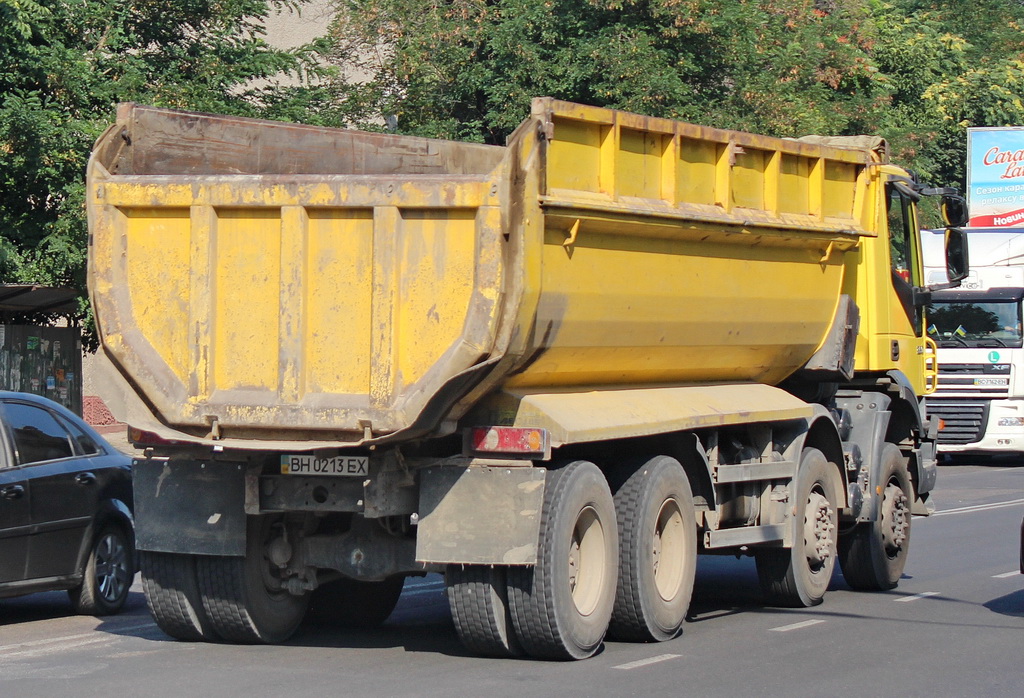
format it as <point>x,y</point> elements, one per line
<point>108,574</point>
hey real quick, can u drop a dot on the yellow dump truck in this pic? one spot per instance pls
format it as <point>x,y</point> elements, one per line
<point>555,371</point>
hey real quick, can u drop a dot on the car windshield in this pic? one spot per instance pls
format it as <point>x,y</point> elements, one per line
<point>980,323</point>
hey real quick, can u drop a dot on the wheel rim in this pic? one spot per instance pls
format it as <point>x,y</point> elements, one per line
<point>895,518</point>
<point>587,561</point>
<point>819,530</point>
<point>668,550</point>
<point>111,567</point>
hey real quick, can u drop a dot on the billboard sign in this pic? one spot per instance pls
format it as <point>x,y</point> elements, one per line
<point>995,176</point>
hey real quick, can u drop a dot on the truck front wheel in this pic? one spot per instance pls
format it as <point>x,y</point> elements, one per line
<point>873,555</point>
<point>562,605</point>
<point>243,596</point>
<point>800,576</point>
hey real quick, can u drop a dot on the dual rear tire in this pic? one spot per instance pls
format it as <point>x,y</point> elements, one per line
<point>622,564</point>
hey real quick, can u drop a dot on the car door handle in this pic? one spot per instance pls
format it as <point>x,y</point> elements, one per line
<point>12,492</point>
<point>85,478</point>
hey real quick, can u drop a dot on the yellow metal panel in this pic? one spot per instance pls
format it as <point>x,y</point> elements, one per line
<point>337,282</point>
<point>581,417</point>
<point>437,275</point>
<point>157,249</point>
<point>247,299</point>
<point>576,163</point>
<point>840,187</point>
<point>639,169</point>
<point>637,309</point>
<point>696,180</point>
<point>793,185</point>
<point>748,178</point>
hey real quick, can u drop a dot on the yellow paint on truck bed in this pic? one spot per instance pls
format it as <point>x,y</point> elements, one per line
<point>258,281</point>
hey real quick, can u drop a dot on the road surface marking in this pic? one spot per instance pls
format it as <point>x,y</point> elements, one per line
<point>646,662</point>
<point>979,507</point>
<point>61,643</point>
<point>915,597</point>
<point>1004,575</point>
<point>797,626</point>
<point>428,588</point>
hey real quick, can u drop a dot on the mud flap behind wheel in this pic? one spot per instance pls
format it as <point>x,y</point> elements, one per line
<point>190,507</point>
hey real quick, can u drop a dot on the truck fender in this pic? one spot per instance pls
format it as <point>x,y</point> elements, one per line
<point>869,423</point>
<point>823,435</point>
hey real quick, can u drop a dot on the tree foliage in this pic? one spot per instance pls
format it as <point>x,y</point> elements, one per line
<point>916,71</point>
<point>64,66</point>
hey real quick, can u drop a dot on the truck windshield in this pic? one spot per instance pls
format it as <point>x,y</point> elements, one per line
<point>977,323</point>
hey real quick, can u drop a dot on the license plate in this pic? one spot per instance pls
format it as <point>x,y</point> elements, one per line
<point>992,381</point>
<point>342,466</point>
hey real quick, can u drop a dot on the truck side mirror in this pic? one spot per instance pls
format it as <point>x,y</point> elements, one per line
<point>956,254</point>
<point>954,211</point>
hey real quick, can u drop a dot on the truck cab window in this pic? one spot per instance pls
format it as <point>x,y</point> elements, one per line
<point>901,252</point>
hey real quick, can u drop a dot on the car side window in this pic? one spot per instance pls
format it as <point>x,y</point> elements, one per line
<point>85,442</point>
<point>38,436</point>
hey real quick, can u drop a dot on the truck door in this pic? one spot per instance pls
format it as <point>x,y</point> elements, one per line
<point>905,319</point>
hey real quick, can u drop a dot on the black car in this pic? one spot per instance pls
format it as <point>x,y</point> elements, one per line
<point>65,507</point>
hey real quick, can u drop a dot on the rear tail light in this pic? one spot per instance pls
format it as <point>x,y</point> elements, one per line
<point>528,442</point>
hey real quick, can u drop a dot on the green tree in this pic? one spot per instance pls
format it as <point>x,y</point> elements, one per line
<point>64,67</point>
<point>951,65</point>
<point>466,69</point>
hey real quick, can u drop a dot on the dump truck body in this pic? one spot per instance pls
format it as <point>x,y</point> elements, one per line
<point>361,355</point>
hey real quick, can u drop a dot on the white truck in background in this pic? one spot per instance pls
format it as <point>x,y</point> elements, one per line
<point>977,327</point>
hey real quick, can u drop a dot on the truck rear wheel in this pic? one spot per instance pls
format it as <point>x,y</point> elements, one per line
<point>478,597</point>
<point>172,594</point>
<point>244,597</point>
<point>350,603</point>
<point>799,576</point>
<point>873,555</point>
<point>562,605</point>
<point>657,552</point>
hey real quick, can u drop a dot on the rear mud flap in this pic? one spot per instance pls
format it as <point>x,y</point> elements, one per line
<point>190,507</point>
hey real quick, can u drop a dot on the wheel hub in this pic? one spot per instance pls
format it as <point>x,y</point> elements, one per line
<point>818,530</point>
<point>111,568</point>
<point>895,518</point>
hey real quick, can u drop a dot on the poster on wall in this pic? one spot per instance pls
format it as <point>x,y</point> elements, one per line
<point>995,176</point>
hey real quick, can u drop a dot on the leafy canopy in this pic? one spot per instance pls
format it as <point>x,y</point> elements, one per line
<point>63,68</point>
<point>918,72</point>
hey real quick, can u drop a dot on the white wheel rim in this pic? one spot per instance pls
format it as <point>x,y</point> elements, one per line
<point>587,561</point>
<point>668,550</point>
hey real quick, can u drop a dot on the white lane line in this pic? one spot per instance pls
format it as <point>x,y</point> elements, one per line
<point>63,647</point>
<point>797,626</point>
<point>915,597</point>
<point>418,589</point>
<point>1004,575</point>
<point>647,662</point>
<point>979,507</point>
<point>107,633</point>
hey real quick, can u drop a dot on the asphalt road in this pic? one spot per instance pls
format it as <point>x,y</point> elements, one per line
<point>953,627</point>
